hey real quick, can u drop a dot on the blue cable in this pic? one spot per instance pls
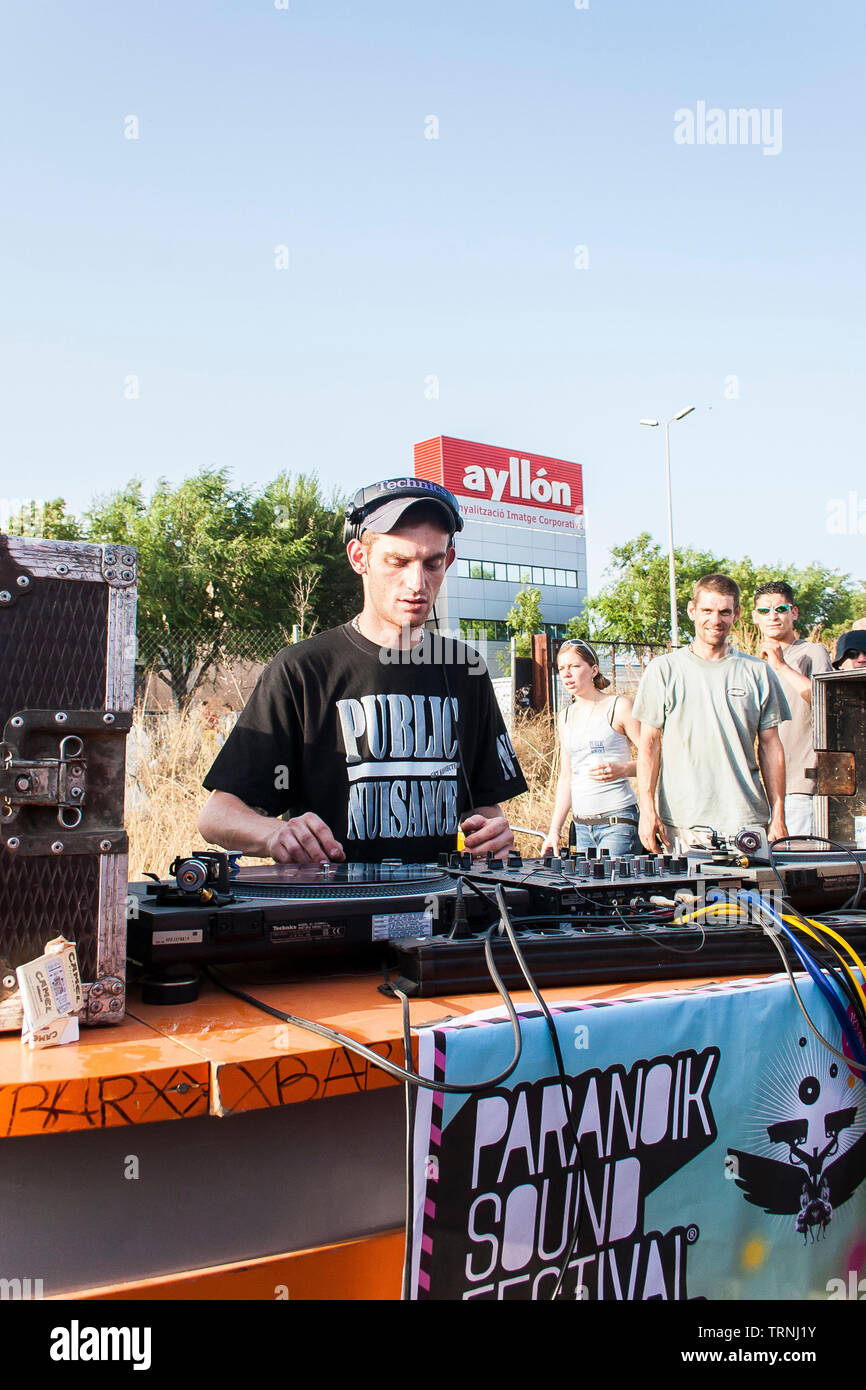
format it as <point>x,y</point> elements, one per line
<point>828,986</point>
<point>826,983</point>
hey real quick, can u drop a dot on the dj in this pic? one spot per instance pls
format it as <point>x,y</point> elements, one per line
<point>377,738</point>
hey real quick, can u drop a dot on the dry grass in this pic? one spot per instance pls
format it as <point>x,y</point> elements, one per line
<point>534,739</point>
<point>168,756</point>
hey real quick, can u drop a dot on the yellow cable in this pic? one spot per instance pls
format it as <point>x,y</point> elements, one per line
<point>822,927</point>
<point>732,909</point>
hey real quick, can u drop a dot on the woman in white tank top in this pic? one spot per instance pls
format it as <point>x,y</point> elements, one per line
<point>596,732</point>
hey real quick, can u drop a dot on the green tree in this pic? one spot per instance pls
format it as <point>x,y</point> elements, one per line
<point>226,572</point>
<point>293,515</point>
<point>49,520</point>
<point>524,618</point>
<point>193,561</point>
<point>634,604</point>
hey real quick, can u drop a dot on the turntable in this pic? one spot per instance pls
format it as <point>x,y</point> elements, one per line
<point>206,914</point>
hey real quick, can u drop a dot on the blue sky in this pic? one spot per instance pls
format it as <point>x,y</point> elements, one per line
<point>716,275</point>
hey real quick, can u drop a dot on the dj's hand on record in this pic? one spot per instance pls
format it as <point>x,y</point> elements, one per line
<point>304,839</point>
<point>487,829</point>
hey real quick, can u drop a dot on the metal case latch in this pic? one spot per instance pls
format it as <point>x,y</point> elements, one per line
<point>60,781</point>
<point>71,761</point>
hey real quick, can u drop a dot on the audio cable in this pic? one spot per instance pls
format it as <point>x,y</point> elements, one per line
<point>399,1073</point>
<point>758,904</point>
<point>853,903</point>
<point>506,927</point>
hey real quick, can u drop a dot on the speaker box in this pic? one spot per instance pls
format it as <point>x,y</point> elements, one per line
<point>67,666</point>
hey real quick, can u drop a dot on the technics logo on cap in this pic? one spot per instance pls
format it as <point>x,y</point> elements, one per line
<point>395,484</point>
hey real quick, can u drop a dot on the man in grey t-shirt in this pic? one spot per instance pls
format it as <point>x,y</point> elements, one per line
<point>702,709</point>
<point>795,662</point>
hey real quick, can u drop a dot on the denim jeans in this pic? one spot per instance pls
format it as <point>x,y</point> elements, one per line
<point>619,839</point>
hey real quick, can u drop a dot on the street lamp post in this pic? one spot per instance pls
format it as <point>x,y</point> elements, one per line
<point>680,415</point>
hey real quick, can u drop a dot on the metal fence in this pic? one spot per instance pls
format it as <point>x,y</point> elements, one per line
<point>623,663</point>
<point>239,644</point>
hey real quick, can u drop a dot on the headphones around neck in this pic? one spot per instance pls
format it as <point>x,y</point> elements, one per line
<point>367,499</point>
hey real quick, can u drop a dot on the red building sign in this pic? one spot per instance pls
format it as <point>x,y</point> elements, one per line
<point>508,486</point>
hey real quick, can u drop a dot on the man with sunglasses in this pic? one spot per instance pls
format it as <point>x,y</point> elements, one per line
<point>378,739</point>
<point>794,661</point>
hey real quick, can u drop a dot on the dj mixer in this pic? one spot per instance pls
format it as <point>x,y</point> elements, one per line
<point>639,917</point>
<point>579,919</point>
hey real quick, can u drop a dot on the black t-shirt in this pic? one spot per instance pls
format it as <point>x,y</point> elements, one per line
<point>379,742</point>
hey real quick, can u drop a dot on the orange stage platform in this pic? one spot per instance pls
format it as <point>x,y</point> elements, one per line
<point>256,1162</point>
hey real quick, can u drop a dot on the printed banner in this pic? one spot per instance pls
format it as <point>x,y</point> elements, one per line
<point>506,514</point>
<point>722,1152</point>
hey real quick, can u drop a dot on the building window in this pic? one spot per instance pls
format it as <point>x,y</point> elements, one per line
<point>503,573</point>
<point>494,630</point>
<point>474,629</point>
